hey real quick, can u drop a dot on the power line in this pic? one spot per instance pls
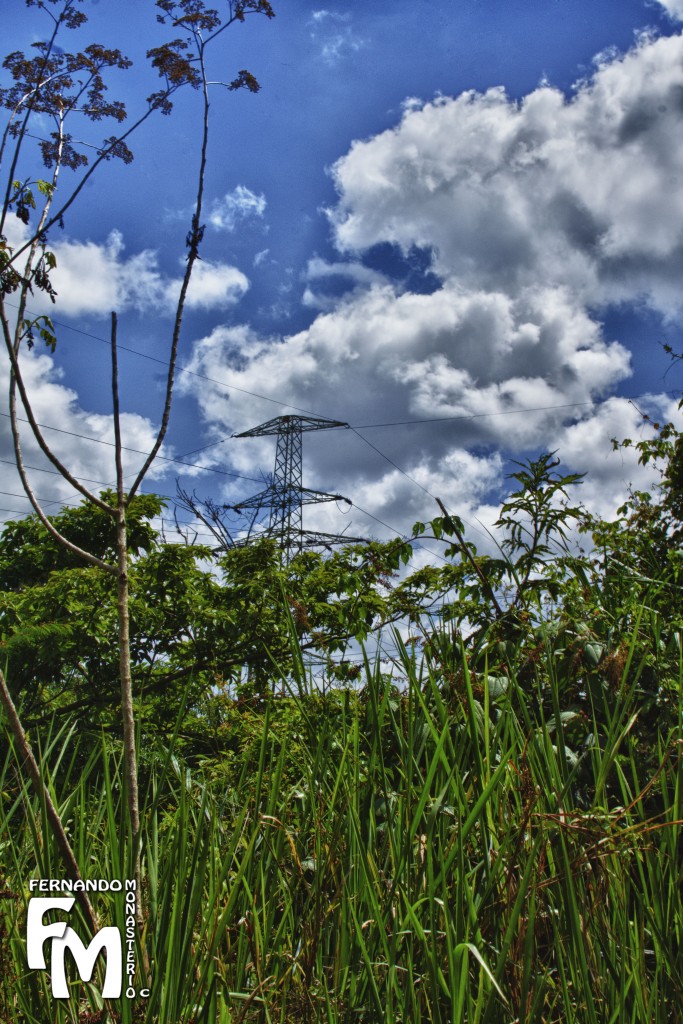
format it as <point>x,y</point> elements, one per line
<point>54,472</point>
<point>403,536</point>
<point>136,451</point>
<point>58,501</point>
<point>474,416</point>
<point>24,497</point>
<point>381,522</point>
<point>180,369</point>
<point>367,426</point>
<point>392,463</point>
<point>463,417</point>
<point>417,484</point>
<point>13,512</point>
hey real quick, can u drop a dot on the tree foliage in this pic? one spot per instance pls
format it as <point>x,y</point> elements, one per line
<point>210,627</point>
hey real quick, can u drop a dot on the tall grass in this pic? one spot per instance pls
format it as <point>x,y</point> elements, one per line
<point>401,853</point>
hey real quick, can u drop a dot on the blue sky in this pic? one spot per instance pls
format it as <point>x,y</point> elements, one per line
<point>431,210</point>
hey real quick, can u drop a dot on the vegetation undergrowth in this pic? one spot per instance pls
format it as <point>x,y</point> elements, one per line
<point>490,832</point>
<point>405,851</point>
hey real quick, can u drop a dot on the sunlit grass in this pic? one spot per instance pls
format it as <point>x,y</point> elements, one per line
<point>400,853</point>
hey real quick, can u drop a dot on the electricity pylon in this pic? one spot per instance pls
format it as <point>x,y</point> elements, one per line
<point>286,496</point>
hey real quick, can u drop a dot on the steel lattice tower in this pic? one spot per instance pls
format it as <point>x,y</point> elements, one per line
<point>285,512</point>
<point>286,495</point>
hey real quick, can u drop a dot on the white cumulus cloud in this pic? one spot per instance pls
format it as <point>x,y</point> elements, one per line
<point>344,277</point>
<point>583,192</point>
<point>538,214</point>
<point>332,32</point>
<point>673,7</point>
<point>238,205</point>
<point>82,439</point>
<point>212,286</point>
<point>93,279</point>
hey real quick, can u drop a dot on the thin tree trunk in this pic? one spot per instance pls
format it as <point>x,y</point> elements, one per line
<point>129,751</point>
<point>27,758</point>
<point>130,761</point>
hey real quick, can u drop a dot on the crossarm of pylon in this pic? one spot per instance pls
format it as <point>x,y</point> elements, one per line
<point>264,499</point>
<point>283,424</point>
<point>309,497</point>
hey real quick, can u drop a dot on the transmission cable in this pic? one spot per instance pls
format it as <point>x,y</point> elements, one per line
<point>309,412</point>
<point>403,536</point>
<point>179,367</point>
<point>136,451</point>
